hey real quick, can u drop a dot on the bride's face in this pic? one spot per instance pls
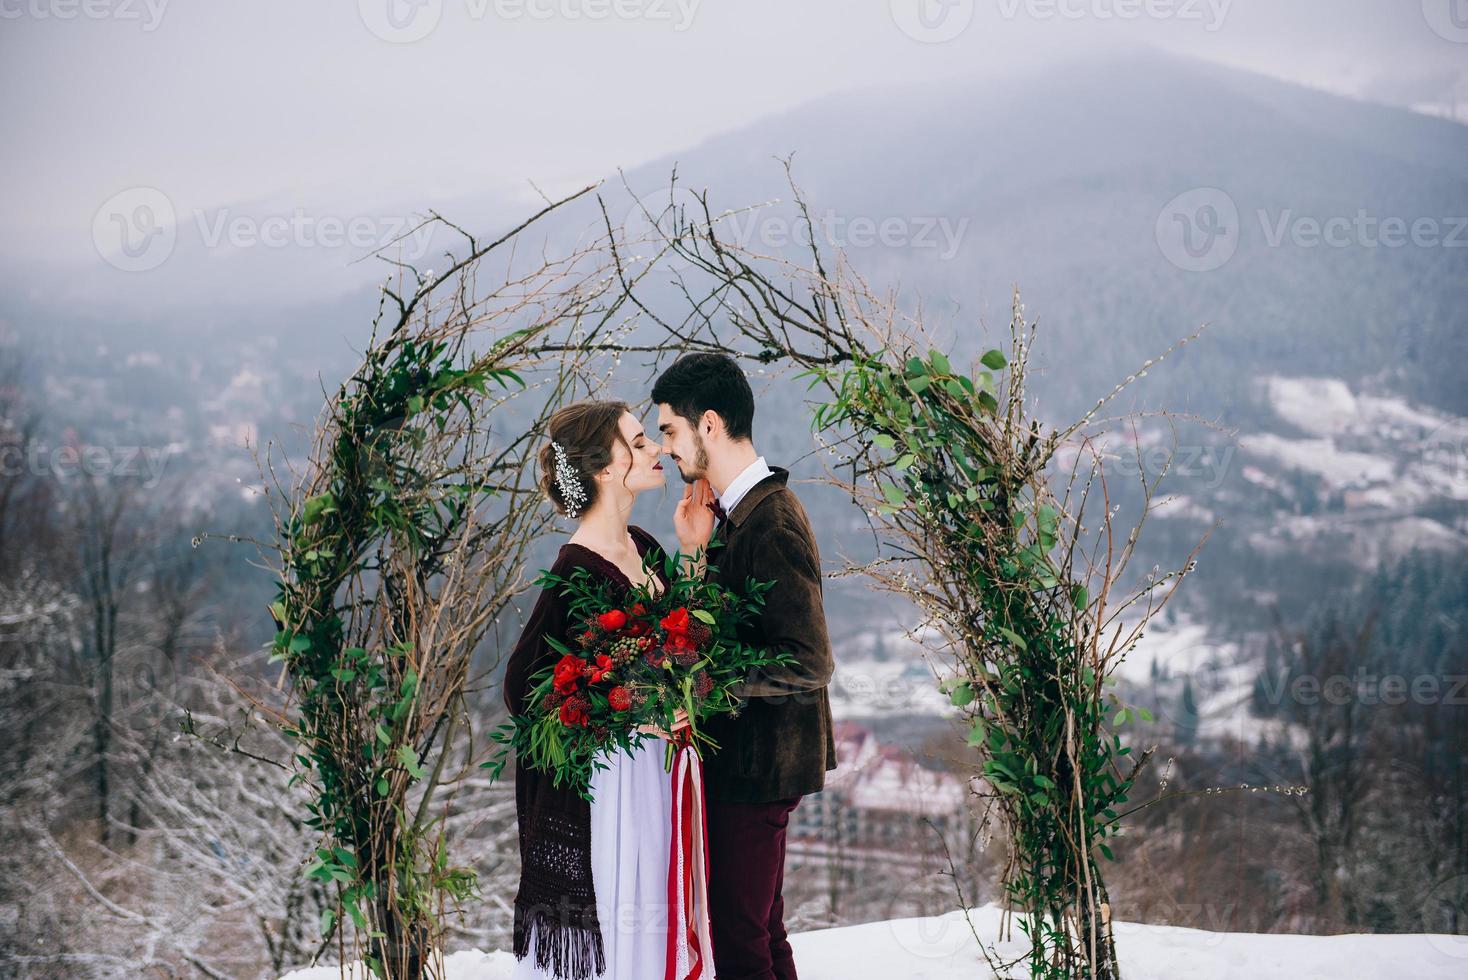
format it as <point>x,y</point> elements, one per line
<point>642,468</point>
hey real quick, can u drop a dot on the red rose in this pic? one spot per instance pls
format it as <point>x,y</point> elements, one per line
<point>676,621</point>
<point>603,668</point>
<point>637,627</point>
<point>619,698</point>
<point>677,643</point>
<point>573,712</point>
<point>612,620</point>
<point>639,610</point>
<point>568,673</point>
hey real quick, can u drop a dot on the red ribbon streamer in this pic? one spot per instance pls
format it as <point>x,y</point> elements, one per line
<point>688,868</point>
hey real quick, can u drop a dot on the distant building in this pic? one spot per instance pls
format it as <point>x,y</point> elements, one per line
<point>875,801</point>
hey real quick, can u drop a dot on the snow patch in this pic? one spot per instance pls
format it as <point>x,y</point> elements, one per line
<point>944,948</point>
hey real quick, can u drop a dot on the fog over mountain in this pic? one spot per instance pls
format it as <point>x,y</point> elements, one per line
<point>1131,199</point>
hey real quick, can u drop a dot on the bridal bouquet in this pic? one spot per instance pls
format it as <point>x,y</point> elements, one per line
<point>635,660</point>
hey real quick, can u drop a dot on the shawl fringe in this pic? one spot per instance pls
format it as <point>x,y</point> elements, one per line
<point>566,949</point>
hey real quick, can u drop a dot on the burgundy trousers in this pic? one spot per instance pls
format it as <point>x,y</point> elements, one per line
<point>746,868</point>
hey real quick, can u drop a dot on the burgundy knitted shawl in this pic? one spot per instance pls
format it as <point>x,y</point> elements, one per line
<point>556,893</point>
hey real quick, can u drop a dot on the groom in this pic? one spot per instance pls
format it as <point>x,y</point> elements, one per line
<point>780,747</point>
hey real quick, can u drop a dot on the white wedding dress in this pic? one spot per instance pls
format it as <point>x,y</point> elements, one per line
<point>631,835</point>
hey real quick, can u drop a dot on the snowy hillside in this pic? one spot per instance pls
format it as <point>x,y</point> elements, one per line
<point>1385,475</point>
<point>943,948</point>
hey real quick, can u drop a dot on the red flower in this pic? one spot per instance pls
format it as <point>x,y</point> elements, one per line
<point>619,698</point>
<point>612,620</point>
<point>639,610</point>
<point>568,673</point>
<point>676,621</point>
<point>637,627</point>
<point>573,711</point>
<point>677,643</point>
<point>586,638</point>
<point>603,668</point>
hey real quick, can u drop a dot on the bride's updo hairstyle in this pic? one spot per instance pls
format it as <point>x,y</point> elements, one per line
<point>580,446</point>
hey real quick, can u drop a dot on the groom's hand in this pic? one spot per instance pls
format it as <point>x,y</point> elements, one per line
<point>694,517</point>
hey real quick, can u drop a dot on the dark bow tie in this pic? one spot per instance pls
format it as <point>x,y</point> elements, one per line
<point>719,510</point>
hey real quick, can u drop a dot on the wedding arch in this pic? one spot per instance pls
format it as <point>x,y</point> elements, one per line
<point>405,536</point>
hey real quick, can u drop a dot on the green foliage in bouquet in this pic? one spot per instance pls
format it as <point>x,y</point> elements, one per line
<point>635,660</point>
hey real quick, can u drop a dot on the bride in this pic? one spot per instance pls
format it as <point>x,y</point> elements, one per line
<point>593,900</point>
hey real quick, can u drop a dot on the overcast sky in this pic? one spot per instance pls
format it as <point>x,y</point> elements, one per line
<point>371,103</point>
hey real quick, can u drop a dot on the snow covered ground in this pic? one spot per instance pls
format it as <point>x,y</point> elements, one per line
<point>943,948</point>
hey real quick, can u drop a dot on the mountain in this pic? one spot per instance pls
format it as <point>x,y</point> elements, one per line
<point>1057,182</point>
<point>1064,182</point>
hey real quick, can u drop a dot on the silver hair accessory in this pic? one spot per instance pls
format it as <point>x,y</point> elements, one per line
<point>568,481</point>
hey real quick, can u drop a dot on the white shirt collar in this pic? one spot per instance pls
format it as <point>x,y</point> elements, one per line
<point>743,483</point>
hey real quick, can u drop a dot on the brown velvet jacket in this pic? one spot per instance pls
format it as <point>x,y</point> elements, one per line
<point>780,745</point>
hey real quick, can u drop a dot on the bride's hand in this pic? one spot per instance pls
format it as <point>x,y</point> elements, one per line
<point>680,722</point>
<point>693,519</point>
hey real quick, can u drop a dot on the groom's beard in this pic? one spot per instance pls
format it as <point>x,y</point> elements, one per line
<point>700,461</point>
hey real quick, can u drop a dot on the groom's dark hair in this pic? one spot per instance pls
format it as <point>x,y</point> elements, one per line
<point>698,382</point>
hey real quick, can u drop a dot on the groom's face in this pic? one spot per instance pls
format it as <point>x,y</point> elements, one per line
<point>682,441</point>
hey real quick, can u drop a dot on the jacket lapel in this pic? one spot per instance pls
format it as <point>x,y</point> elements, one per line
<point>777,479</point>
